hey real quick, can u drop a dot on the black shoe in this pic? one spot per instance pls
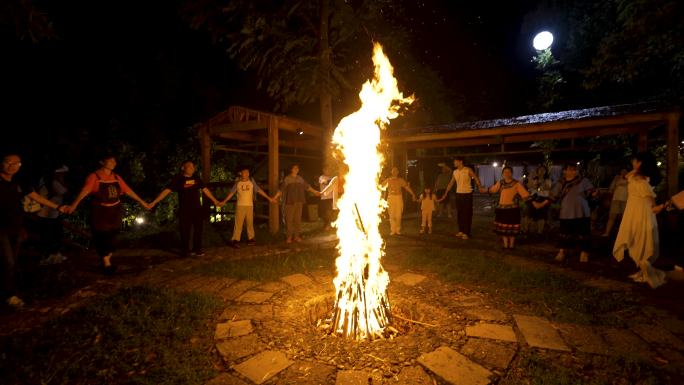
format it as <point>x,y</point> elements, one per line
<point>198,253</point>
<point>251,242</point>
<point>235,244</point>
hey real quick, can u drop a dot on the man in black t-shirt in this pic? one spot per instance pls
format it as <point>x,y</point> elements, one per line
<point>11,224</point>
<point>189,188</point>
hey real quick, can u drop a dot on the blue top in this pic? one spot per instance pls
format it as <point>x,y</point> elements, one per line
<point>573,197</point>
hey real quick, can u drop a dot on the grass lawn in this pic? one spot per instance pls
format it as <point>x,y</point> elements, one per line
<point>545,293</point>
<point>138,335</point>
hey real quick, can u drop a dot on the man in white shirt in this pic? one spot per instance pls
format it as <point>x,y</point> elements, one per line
<point>462,177</point>
<point>325,207</point>
<point>245,188</point>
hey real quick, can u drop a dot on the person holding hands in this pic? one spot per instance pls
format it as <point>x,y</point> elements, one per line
<point>190,213</point>
<point>106,188</point>
<point>395,200</point>
<point>245,189</point>
<point>462,177</point>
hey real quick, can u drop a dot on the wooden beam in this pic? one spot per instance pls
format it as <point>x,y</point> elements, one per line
<point>238,135</point>
<point>673,153</point>
<point>282,155</point>
<point>273,174</point>
<point>529,137</point>
<point>239,126</point>
<point>587,126</point>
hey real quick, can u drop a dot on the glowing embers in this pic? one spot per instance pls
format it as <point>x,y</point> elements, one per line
<point>362,309</point>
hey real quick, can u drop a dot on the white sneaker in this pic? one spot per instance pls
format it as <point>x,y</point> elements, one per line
<point>584,257</point>
<point>560,257</point>
<point>15,302</point>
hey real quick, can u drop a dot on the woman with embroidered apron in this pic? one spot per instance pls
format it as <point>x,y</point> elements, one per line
<point>507,214</point>
<point>105,187</point>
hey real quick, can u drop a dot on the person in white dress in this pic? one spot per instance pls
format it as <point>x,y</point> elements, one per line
<point>638,233</point>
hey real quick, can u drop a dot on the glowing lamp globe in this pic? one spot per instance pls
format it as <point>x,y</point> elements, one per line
<point>542,41</point>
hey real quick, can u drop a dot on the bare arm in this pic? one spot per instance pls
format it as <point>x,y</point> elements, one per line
<point>46,202</point>
<point>263,194</point>
<point>81,195</point>
<point>477,179</point>
<point>494,188</point>
<point>136,198</point>
<point>210,196</point>
<point>408,188</point>
<point>448,188</point>
<point>160,197</point>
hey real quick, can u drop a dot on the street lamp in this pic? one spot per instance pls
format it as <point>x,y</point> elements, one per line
<point>542,41</point>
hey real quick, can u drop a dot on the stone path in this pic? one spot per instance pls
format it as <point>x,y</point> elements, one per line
<point>461,338</point>
<point>470,343</point>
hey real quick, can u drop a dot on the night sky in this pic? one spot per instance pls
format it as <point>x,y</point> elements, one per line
<point>138,68</point>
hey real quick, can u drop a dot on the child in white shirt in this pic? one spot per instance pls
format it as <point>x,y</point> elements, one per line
<point>427,205</point>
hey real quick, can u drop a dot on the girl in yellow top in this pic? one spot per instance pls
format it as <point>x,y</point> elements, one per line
<point>507,219</point>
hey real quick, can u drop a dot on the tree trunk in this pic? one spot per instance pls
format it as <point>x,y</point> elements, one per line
<point>325,99</point>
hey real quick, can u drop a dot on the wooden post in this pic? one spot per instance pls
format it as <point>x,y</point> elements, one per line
<point>401,160</point>
<point>273,174</point>
<point>672,153</point>
<point>642,142</point>
<point>205,153</point>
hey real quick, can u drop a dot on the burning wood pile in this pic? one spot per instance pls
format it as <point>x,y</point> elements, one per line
<point>362,309</point>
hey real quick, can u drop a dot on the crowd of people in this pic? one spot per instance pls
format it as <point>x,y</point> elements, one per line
<point>523,207</point>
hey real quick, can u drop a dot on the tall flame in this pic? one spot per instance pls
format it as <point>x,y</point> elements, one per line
<point>361,306</point>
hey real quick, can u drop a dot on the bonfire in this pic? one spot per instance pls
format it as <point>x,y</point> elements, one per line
<point>362,308</point>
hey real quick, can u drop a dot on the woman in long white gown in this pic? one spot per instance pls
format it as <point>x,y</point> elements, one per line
<point>638,232</point>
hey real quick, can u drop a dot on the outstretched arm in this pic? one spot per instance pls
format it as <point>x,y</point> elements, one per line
<point>81,195</point>
<point>448,188</point>
<point>160,197</point>
<point>408,188</point>
<point>46,202</point>
<point>211,196</point>
<point>477,180</point>
<point>136,198</point>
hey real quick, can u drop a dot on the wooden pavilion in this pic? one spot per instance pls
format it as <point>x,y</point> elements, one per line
<point>244,130</point>
<point>515,136</point>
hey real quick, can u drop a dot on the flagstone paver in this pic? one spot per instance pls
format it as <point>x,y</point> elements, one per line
<point>410,279</point>
<point>323,277</point>
<point>492,331</point>
<point>625,343</point>
<point>256,312</point>
<point>263,366</point>
<point>225,379</point>
<point>233,291</point>
<point>454,367</point>
<point>486,314</point>
<point>233,329</point>
<point>468,301</point>
<point>272,287</point>
<point>654,334</point>
<point>413,375</point>
<point>253,296</point>
<point>539,333</point>
<point>236,348</point>
<point>352,377</point>
<point>490,353</point>
<point>307,373</point>
<point>583,338</point>
<point>215,285</point>
<point>297,280</point>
